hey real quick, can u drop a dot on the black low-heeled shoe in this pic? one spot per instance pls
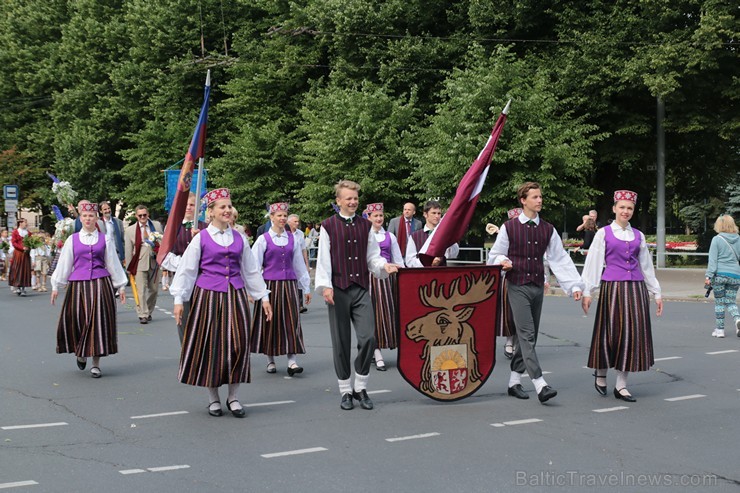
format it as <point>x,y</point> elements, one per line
<point>627,398</point>
<point>600,389</point>
<point>81,364</point>
<point>215,412</point>
<point>238,413</point>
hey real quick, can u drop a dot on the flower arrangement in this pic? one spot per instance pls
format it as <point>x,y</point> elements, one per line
<point>63,230</point>
<point>154,240</point>
<point>32,241</point>
<point>4,246</point>
<point>64,192</point>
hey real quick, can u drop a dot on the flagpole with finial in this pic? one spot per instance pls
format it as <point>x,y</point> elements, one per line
<point>199,182</point>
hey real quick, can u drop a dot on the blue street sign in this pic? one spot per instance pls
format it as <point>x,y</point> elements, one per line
<point>10,192</point>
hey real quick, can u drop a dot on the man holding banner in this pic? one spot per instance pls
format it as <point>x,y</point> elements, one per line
<point>520,247</point>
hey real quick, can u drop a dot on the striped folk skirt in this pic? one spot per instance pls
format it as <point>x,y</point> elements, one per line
<point>622,337</point>
<point>87,324</point>
<point>215,342</point>
<point>283,334</point>
<point>383,295</point>
<point>505,326</point>
<point>20,270</point>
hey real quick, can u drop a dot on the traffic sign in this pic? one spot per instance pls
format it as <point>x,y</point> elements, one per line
<point>10,192</point>
<point>11,205</point>
<point>12,222</point>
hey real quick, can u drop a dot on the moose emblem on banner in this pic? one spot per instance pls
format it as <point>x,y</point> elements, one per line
<point>447,320</point>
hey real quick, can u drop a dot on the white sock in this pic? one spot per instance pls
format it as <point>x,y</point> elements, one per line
<point>291,360</point>
<point>271,359</point>
<point>377,355</point>
<point>213,397</point>
<point>601,374</point>
<point>621,380</point>
<point>539,383</point>
<point>233,387</point>
<point>361,382</point>
<point>515,379</point>
<point>510,340</point>
<point>345,386</point>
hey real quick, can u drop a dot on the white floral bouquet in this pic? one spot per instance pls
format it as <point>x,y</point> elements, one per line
<point>64,192</point>
<point>63,230</point>
<point>154,240</point>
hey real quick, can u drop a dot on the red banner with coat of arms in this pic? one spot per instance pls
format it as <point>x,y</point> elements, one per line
<point>447,319</point>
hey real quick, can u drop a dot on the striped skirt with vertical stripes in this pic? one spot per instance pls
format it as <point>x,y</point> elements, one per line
<point>622,337</point>
<point>383,295</point>
<point>283,334</point>
<point>506,318</point>
<point>87,323</point>
<point>20,270</point>
<point>215,345</point>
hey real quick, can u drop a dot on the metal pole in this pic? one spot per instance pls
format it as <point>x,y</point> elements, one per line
<point>661,184</point>
<point>199,183</point>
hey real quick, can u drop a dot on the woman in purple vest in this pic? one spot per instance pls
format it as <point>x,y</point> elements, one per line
<point>383,291</point>
<point>90,264</point>
<point>218,270</point>
<point>622,337</point>
<point>284,271</point>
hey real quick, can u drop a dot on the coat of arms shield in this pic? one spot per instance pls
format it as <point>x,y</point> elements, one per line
<point>447,320</point>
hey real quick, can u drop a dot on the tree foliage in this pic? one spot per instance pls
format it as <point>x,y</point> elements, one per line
<point>399,95</point>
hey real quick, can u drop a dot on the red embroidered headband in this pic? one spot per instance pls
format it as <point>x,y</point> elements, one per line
<point>214,195</point>
<point>512,213</point>
<point>625,195</point>
<point>376,207</point>
<point>279,206</point>
<point>86,206</point>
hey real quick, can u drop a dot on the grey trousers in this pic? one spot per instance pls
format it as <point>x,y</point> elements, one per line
<point>352,305</point>
<point>526,306</point>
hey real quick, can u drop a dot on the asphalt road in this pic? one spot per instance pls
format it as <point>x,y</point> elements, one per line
<point>139,429</point>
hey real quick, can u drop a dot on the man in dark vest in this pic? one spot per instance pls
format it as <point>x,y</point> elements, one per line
<point>185,232</point>
<point>432,216</point>
<point>520,247</point>
<point>348,253</point>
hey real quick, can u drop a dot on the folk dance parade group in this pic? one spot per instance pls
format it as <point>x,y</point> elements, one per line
<point>217,276</point>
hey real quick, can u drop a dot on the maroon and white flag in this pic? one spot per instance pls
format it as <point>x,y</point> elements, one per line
<point>454,223</point>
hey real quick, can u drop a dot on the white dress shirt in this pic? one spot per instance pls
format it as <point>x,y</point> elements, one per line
<point>594,266</point>
<point>560,263</point>
<point>189,266</point>
<point>299,265</point>
<point>396,257</point>
<point>412,259</point>
<point>67,259</point>
<point>375,263</point>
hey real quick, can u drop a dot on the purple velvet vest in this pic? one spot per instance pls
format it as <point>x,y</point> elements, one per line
<point>219,265</point>
<point>348,251</point>
<point>621,258</point>
<point>89,260</point>
<point>385,247</point>
<point>527,246</point>
<point>277,263</point>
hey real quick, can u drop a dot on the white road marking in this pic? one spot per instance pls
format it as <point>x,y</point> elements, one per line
<point>370,392</point>
<point>723,352</point>
<point>132,471</point>
<point>40,425</point>
<point>259,404</point>
<point>294,452</point>
<point>411,437</point>
<point>685,397</point>
<point>174,413</point>
<point>167,468</point>
<point>17,484</point>
<point>610,409</point>
<point>167,313</point>
<point>522,421</point>
<point>669,357</point>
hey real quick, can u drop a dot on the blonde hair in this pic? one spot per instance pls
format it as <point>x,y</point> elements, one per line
<point>725,224</point>
<point>351,185</point>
